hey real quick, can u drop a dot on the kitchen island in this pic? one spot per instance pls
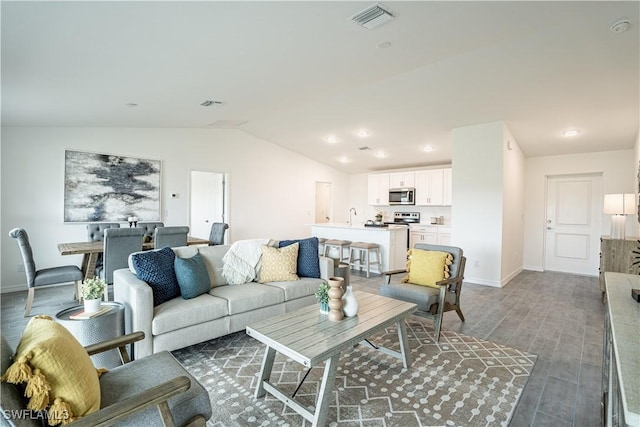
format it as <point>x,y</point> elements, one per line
<point>392,241</point>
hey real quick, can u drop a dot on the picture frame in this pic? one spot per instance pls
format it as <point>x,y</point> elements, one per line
<point>110,188</point>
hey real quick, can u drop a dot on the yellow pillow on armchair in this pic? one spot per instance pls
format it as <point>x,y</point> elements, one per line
<point>56,370</point>
<point>426,268</point>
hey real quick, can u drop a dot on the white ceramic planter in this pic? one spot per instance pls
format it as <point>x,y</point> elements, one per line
<point>92,305</point>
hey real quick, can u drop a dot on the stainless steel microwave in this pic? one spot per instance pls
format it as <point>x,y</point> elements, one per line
<point>402,196</point>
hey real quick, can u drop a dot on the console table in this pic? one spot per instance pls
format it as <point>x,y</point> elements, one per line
<point>621,358</point>
<point>617,255</point>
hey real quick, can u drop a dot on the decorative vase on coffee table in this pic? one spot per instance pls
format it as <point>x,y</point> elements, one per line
<point>349,303</point>
<point>92,305</point>
<point>335,298</point>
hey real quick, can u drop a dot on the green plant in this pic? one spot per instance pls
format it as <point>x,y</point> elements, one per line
<point>93,288</point>
<point>322,294</point>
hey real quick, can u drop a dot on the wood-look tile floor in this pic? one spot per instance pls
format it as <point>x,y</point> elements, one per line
<point>559,317</point>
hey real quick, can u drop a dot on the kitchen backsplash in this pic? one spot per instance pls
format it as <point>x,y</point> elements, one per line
<point>425,212</point>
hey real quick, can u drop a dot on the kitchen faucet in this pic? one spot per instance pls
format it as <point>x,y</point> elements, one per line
<point>354,213</point>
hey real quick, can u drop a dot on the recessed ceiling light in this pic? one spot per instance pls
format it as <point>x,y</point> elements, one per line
<point>344,159</point>
<point>332,139</point>
<point>381,154</point>
<point>362,133</point>
<point>569,133</point>
<point>427,148</point>
<point>620,26</point>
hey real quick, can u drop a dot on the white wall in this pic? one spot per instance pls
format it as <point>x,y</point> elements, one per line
<point>618,170</point>
<point>272,190</point>
<point>513,208</point>
<point>477,205</point>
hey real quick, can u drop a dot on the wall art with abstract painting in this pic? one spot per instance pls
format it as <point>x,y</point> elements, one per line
<point>105,187</point>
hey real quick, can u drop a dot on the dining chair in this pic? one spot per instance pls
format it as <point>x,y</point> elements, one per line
<point>118,244</point>
<point>170,236</point>
<point>216,236</point>
<point>95,233</point>
<point>149,229</point>
<point>45,276</point>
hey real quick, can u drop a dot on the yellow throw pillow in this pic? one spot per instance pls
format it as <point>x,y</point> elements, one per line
<point>427,267</point>
<point>58,374</point>
<point>279,264</point>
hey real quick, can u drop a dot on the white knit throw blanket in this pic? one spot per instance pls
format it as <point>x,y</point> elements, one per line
<point>240,263</point>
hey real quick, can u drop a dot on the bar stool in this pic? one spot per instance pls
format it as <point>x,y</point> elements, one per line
<point>337,244</point>
<point>364,251</point>
<point>321,241</point>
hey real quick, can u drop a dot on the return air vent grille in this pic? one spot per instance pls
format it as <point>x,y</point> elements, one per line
<point>372,17</point>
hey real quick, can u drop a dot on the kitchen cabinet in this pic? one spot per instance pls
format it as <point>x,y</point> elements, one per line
<point>402,179</point>
<point>429,187</point>
<point>378,189</point>
<point>447,186</point>
<point>429,234</point>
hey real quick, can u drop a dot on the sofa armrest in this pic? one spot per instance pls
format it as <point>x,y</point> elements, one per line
<point>326,268</point>
<point>137,298</point>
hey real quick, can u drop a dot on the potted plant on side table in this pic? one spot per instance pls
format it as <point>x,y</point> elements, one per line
<point>92,293</point>
<point>322,295</point>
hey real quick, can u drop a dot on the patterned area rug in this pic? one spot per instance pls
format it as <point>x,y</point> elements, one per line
<point>461,381</point>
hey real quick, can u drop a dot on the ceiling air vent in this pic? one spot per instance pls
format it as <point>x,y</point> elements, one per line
<point>372,17</point>
<point>364,148</point>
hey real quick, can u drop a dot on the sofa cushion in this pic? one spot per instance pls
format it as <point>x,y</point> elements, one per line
<point>212,256</point>
<point>192,276</point>
<point>156,268</point>
<point>248,296</point>
<point>279,264</point>
<point>308,261</point>
<point>426,268</point>
<point>179,313</point>
<point>297,289</point>
<point>57,371</point>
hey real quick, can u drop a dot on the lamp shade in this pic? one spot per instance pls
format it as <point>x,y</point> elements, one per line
<point>614,204</point>
<point>630,205</point>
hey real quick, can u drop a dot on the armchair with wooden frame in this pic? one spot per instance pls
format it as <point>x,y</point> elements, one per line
<point>154,390</point>
<point>432,302</point>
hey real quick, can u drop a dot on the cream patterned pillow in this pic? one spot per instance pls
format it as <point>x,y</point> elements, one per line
<point>279,264</point>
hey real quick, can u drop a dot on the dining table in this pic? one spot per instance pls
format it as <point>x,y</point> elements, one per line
<point>91,250</point>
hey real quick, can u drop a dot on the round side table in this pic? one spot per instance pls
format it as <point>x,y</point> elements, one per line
<point>96,329</point>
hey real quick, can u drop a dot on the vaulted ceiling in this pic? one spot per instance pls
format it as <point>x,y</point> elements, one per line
<point>294,73</point>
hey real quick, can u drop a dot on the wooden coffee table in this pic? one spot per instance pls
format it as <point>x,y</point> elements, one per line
<point>309,338</point>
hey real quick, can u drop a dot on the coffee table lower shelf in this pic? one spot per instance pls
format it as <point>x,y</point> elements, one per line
<point>309,338</point>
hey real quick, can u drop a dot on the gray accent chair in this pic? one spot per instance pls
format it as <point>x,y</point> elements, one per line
<point>170,236</point>
<point>152,391</point>
<point>216,236</point>
<point>431,302</point>
<point>45,276</point>
<point>118,244</point>
<point>149,229</point>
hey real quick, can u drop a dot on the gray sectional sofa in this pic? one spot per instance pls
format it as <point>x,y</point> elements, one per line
<point>179,322</point>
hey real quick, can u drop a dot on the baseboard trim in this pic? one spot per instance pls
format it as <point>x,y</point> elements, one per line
<point>492,283</point>
<point>13,288</point>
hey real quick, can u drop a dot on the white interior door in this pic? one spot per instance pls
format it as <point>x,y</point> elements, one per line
<point>323,201</point>
<point>573,223</point>
<point>207,202</point>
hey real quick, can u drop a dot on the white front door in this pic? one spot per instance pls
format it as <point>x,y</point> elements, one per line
<point>207,202</point>
<point>573,223</point>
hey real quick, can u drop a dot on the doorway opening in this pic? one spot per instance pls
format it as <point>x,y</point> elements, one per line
<point>323,202</point>
<point>207,202</point>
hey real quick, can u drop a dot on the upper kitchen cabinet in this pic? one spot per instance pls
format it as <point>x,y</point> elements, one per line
<point>429,187</point>
<point>447,187</point>
<point>402,179</point>
<point>378,189</point>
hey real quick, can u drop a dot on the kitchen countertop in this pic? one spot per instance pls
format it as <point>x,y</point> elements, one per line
<point>358,226</point>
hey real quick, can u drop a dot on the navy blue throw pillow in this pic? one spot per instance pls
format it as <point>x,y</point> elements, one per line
<point>308,262</point>
<point>192,275</point>
<point>156,268</point>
